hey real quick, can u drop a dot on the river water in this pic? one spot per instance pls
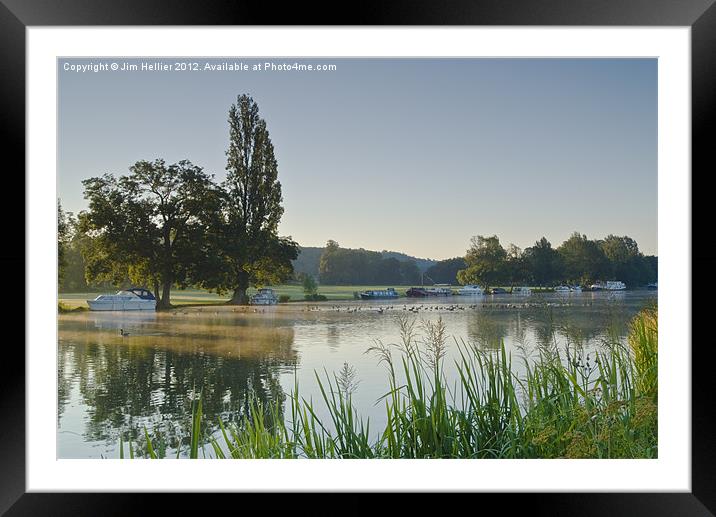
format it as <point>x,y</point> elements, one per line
<point>108,383</point>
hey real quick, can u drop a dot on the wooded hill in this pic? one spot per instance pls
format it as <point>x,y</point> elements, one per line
<point>309,259</point>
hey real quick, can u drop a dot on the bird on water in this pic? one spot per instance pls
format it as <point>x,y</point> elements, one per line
<point>123,333</point>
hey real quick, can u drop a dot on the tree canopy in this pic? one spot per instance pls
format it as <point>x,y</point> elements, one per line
<point>584,261</point>
<point>485,261</point>
<point>146,225</point>
<point>543,262</point>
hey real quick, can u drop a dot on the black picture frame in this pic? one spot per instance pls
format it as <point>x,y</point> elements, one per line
<point>699,15</point>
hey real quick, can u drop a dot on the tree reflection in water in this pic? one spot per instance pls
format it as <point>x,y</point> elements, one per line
<point>128,385</point>
<point>488,328</point>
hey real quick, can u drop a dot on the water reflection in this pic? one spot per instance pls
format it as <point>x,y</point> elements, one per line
<point>488,329</point>
<point>147,378</point>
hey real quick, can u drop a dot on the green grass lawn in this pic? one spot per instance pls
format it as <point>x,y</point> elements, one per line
<point>199,296</point>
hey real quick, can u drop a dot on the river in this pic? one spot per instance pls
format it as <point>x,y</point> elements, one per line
<point>108,382</point>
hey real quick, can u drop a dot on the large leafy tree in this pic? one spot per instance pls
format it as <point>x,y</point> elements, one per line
<point>246,236</point>
<point>584,261</point>
<point>543,262</point>
<point>486,262</point>
<point>515,268</point>
<point>146,227</point>
<point>627,262</point>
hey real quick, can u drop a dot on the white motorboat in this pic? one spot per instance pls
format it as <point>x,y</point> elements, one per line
<point>575,289</point>
<point>135,299</point>
<point>521,291</point>
<point>440,290</point>
<point>608,286</point>
<point>264,296</point>
<point>471,290</point>
<point>562,289</point>
<point>615,286</point>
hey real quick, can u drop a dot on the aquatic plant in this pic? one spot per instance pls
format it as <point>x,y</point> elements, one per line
<point>602,405</point>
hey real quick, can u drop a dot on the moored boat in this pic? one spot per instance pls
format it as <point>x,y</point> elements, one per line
<point>421,292</point>
<point>615,286</point>
<point>379,294</point>
<point>471,290</point>
<point>135,299</point>
<point>264,296</point>
<point>562,289</point>
<point>521,291</point>
<point>611,285</point>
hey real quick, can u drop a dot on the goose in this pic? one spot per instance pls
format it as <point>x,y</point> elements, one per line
<point>123,333</point>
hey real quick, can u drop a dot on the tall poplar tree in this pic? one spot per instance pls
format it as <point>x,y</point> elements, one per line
<point>253,252</point>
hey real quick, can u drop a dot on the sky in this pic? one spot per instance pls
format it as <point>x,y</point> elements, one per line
<point>410,155</point>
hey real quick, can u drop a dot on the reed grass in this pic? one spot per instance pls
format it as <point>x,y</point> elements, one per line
<point>603,405</point>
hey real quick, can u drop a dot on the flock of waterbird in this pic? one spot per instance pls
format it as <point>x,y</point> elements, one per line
<point>440,307</point>
<point>415,309</point>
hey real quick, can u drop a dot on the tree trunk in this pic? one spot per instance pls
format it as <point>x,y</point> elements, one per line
<point>167,277</point>
<point>164,302</point>
<point>240,297</point>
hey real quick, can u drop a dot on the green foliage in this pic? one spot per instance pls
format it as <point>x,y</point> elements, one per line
<point>603,406</point>
<point>315,297</point>
<point>147,226</point>
<point>309,285</point>
<point>544,263</point>
<point>445,271</point>
<point>644,344</point>
<point>578,260</point>
<point>284,298</point>
<point>627,263</point>
<point>485,261</point>
<point>63,308</point>
<point>342,266</point>
<point>308,260</point>
<point>584,261</point>
<point>63,231</point>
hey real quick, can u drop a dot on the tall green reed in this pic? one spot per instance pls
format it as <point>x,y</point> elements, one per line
<point>602,405</point>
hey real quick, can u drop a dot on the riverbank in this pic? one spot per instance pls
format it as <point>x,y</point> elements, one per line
<point>198,297</point>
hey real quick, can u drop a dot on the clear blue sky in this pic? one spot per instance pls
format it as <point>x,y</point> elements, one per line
<point>412,155</point>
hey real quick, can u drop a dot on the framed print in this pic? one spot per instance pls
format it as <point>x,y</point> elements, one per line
<point>419,252</point>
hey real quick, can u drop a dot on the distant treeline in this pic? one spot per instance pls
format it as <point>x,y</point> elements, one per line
<point>308,261</point>
<point>578,260</point>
